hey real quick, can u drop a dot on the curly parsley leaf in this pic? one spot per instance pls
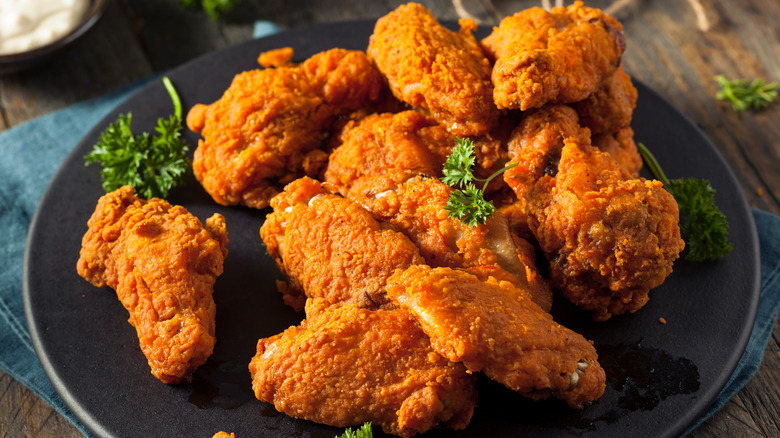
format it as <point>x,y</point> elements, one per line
<point>363,431</point>
<point>467,203</point>
<point>215,9</point>
<point>744,94</point>
<point>153,165</point>
<point>702,225</point>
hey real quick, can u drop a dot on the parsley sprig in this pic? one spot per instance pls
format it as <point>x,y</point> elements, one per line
<point>151,164</point>
<point>215,9</point>
<point>702,225</point>
<point>363,431</point>
<point>744,94</point>
<point>467,202</point>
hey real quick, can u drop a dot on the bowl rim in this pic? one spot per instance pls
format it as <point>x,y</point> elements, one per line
<point>93,14</point>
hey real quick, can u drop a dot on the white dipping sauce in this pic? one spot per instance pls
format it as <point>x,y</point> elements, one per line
<point>28,24</point>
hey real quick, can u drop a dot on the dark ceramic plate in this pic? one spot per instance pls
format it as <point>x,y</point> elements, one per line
<point>661,376</point>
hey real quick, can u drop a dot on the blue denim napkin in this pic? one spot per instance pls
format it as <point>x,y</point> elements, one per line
<point>33,151</point>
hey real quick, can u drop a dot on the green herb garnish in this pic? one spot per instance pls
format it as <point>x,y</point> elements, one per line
<point>467,203</point>
<point>702,225</point>
<point>151,164</point>
<point>215,9</point>
<point>744,94</point>
<point>363,431</point>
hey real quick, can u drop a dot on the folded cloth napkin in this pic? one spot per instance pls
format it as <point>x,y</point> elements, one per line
<point>34,150</point>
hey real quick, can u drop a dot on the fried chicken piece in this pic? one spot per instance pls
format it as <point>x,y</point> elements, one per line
<point>381,151</point>
<point>622,148</point>
<point>493,327</point>
<point>267,128</point>
<point>346,365</point>
<point>560,56</point>
<point>431,67</point>
<point>162,263</point>
<point>610,108</point>
<point>222,434</point>
<point>276,57</point>
<point>416,209</point>
<point>610,237</point>
<point>331,247</point>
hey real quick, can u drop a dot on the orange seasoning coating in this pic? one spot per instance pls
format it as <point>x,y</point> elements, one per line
<point>162,263</point>
<point>493,327</point>
<point>267,128</point>
<point>560,56</point>
<point>431,67</point>
<point>346,365</point>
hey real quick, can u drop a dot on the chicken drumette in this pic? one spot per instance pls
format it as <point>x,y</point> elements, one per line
<point>162,263</point>
<point>610,237</point>
<point>494,327</point>
<point>346,365</point>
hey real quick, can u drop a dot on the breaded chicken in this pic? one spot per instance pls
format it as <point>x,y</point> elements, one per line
<point>330,247</point>
<point>433,68</point>
<point>162,263</point>
<point>560,56</point>
<point>493,327</point>
<point>416,209</point>
<point>381,151</point>
<point>610,237</point>
<point>268,127</point>
<point>346,365</point>
<point>610,108</point>
<point>621,146</point>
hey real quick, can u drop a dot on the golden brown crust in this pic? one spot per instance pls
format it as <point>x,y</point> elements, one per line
<point>561,56</point>
<point>332,248</point>
<point>429,66</point>
<point>266,129</point>
<point>163,264</point>
<point>610,237</point>
<point>493,327</point>
<point>346,365</point>
<point>610,108</point>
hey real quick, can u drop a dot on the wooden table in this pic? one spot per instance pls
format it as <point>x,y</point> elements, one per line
<point>667,50</point>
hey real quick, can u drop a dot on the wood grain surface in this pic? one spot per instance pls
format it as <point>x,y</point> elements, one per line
<point>669,49</point>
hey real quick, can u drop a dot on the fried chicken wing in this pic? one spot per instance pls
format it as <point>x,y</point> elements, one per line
<point>493,327</point>
<point>162,263</point>
<point>346,365</point>
<point>331,247</point>
<point>622,148</point>
<point>267,128</point>
<point>610,108</point>
<point>416,208</point>
<point>431,67</point>
<point>381,151</point>
<point>610,237</point>
<point>560,56</point>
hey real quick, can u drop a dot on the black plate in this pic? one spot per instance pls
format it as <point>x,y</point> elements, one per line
<point>661,376</point>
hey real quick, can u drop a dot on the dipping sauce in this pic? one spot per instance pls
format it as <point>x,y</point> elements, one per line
<point>28,24</point>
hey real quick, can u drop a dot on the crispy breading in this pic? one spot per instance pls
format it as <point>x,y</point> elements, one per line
<point>493,327</point>
<point>330,247</point>
<point>431,67</point>
<point>621,146</point>
<point>560,56</point>
<point>162,263</point>
<point>416,208</point>
<point>345,365</point>
<point>610,237</point>
<point>268,127</point>
<point>610,108</point>
<point>381,151</point>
